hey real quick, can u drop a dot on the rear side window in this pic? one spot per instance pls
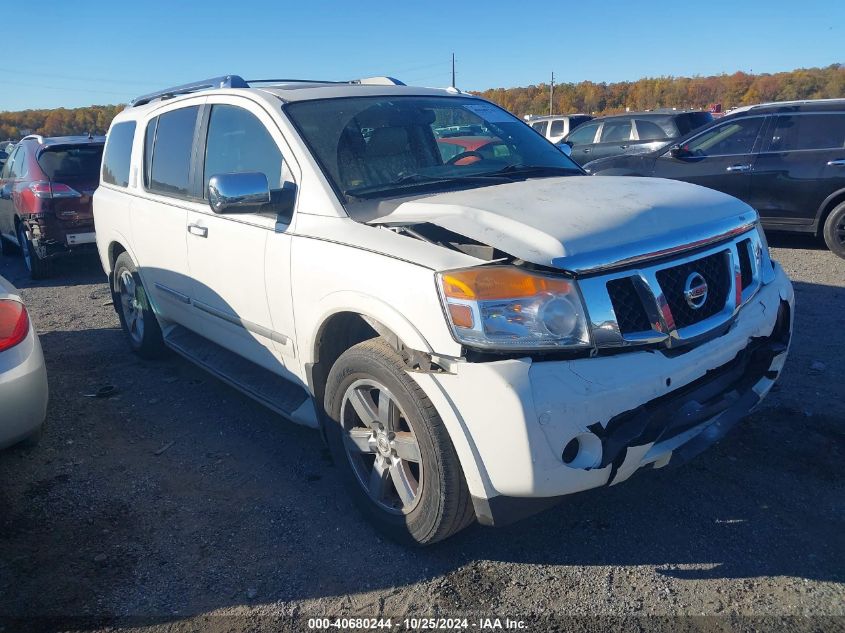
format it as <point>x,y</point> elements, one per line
<point>808,131</point>
<point>614,131</point>
<point>80,163</point>
<point>118,153</point>
<point>19,167</point>
<point>238,142</point>
<point>540,126</point>
<point>649,131</point>
<point>557,128</point>
<point>170,166</point>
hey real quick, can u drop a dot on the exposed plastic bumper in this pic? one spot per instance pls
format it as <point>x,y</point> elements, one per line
<point>620,412</point>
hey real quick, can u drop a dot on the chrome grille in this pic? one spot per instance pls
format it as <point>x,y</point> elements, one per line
<point>714,269</point>
<point>628,306</point>
<point>648,305</point>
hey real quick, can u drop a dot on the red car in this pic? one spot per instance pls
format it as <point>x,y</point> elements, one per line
<point>45,198</point>
<point>465,150</point>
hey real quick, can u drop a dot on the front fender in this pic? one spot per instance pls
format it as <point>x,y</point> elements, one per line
<point>367,306</point>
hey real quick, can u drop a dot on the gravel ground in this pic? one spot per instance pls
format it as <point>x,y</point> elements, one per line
<point>180,505</point>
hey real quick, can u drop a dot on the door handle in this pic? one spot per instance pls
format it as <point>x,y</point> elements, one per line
<point>199,231</point>
<point>739,168</point>
<point>623,147</point>
<point>586,150</point>
<point>840,162</point>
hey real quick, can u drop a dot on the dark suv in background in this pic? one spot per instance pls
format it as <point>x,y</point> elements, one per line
<point>45,197</point>
<point>631,133</point>
<point>787,160</point>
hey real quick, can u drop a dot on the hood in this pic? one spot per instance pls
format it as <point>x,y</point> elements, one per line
<point>581,223</point>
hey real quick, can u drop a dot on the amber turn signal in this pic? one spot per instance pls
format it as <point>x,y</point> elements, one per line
<point>498,282</point>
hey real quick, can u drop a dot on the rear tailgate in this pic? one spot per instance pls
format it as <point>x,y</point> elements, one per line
<point>74,173</point>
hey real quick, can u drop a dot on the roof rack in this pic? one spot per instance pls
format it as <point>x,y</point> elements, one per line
<point>227,81</point>
<point>235,81</point>
<point>36,137</point>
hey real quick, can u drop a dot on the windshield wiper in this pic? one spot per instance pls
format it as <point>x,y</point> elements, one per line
<point>411,180</point>
<point>546,170</point>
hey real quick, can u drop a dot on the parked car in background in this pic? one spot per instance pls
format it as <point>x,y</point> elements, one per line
<point>787,160</point>
<point>631,133</point>
<point>474,340</point>
<point>23,376</point>
<point>45,197</point>
<point>556,126</point>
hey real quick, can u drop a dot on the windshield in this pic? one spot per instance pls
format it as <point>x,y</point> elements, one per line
<point>377,147</point>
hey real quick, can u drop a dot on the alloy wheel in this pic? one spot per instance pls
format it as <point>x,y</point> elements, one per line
<point>381,446</point>
<point>133,313</point>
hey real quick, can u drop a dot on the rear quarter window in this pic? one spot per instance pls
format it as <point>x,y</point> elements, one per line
<point>117,154</point>
<point>170,166</point>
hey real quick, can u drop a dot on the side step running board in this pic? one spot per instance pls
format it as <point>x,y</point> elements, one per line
<point>273,391</point>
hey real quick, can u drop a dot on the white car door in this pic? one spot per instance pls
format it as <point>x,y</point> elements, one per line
<point>227,252</point>
<point>160,214</point>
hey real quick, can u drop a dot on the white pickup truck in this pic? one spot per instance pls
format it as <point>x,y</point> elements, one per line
<point>476,334</point>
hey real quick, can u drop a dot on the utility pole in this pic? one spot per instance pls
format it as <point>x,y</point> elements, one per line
<point>552,94</point>
<point>453,70</point>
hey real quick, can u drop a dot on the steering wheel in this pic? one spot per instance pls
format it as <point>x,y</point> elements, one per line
<point>470,154</point>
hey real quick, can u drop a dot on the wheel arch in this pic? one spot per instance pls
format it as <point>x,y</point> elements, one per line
<point>341,328</point>
<point>827,207</point>
<point>348,323</point>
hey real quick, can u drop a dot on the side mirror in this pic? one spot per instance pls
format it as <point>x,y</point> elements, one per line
<point>677,151</point>
<point>238,193</point>
<point>249,192</point>
<point>566,148</point>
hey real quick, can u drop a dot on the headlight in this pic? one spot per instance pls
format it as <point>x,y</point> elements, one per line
<point>503,307</point>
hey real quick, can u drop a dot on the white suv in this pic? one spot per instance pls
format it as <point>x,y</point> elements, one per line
<point>475,336</point>
<point>556,126</point>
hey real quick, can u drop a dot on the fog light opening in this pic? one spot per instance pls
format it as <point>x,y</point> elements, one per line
<point>582,451</point>
<point>570,451</point>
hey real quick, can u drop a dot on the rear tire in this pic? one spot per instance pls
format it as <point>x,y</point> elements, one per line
<point>400,465</point>
<point>133,307</point>
<point>38,268</point>
<point>834,230</point>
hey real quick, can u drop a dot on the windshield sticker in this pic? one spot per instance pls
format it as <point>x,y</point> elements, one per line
<point>489,113</point>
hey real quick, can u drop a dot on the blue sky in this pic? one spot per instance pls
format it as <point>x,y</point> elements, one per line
<point>92,51</point>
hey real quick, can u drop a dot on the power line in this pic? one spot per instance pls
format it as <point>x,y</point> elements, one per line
<point>63,88</point>
<point>72,78</point>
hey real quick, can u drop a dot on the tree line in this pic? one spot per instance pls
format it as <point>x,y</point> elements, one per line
<point>58,122</point>
<point>649,93</point>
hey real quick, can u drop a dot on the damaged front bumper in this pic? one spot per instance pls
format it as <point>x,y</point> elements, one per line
<point>559,427</point>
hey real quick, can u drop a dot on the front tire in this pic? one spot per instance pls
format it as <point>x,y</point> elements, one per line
<point>133,307</point>
<point>395,453</point>
<point>38,267</point>
<point>834,231</point>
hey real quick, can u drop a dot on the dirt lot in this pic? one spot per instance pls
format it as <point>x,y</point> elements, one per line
<point>179,505</point>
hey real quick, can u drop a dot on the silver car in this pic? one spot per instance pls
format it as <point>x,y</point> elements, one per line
<point>23,376</point>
